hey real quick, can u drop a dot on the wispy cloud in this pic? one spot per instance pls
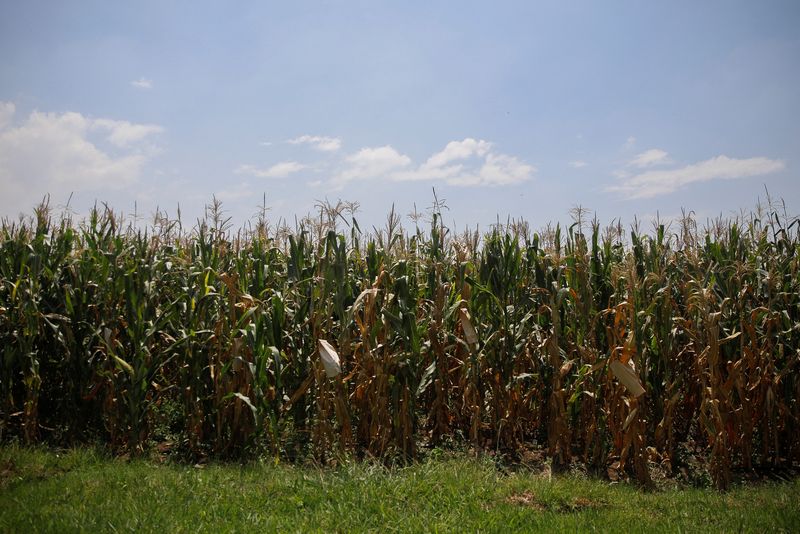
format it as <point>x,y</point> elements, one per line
<point>61,152</point>
<point>648,158</point>
<point>143,83</point>
<point>458,150</point>
<point>466,162</point>
<point>498,169</point>
<point>7,110</point>
<point>654,183</point>
<point>469,162</point>
<point>370,163</point>
<point>234,193</point>
<point>317,142</point>
<point>124,133</point>
<point>578,164</point>
<point>279,170</point>
<point>448,163</point>
<point>630,143</point>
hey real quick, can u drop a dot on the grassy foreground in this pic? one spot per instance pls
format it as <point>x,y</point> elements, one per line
<point>81,490</point>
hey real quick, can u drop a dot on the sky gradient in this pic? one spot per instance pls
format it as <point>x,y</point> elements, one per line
<point>508,109</point>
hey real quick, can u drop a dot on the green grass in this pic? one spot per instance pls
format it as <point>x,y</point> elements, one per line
<point>82,490</point>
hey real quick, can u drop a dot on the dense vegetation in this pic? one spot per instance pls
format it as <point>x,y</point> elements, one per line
<point>506,340</point>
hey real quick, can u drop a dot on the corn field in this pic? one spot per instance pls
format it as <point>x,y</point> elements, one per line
<point>604,345</point>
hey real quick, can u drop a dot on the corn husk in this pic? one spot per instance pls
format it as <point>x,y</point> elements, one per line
<point>330,359</point>
<point>466,326</point>
<point>629,419</point>
<point>628,377</point>
<point>361,296</point>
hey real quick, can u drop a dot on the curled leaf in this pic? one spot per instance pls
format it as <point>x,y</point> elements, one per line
<point>372,292</point>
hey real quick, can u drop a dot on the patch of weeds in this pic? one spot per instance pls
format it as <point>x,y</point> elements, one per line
<point>692,469</point>
<point>526,499</point>
<point>168,420</point>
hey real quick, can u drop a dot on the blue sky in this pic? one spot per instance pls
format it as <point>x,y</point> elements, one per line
<point>509,109</point>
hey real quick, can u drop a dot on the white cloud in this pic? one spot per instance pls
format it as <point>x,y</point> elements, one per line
<point>371,163</point>
<point>485,168</point>
<point>437,167</point>
<point>577,164</point>
<point>648,158</point>
<point>629,143</point>
<point>265,143</point>
<point>279,170</point>
<point>124,133</point>
<point>59,153</point>
<point>469,162</point>
<point>499,169</point>
<point>7,110</point>
<point>324,144</point>
<point>457,150</point>
<point>653,183</point>
<point>143,83</point>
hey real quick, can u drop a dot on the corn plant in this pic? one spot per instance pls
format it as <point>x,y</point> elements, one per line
<point>604,346</point>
